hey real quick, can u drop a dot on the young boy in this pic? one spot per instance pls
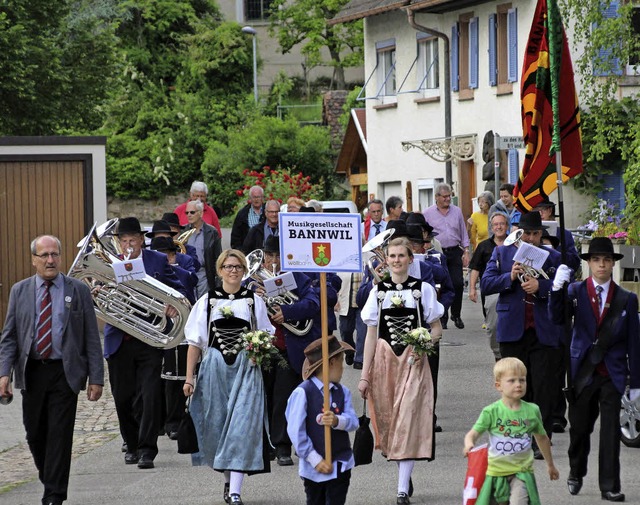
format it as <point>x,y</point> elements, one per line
<point>510,422</point>
<point>324,483</point>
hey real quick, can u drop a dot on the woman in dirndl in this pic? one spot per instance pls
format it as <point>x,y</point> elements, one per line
<point>395,380</point>
<point>228,399</point>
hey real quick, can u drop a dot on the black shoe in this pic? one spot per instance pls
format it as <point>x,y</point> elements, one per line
<point>124,447</point>
<point>145,462</point>
<point>410,493</point>
<point>613,496</point>
<point>173,435</point>
<point>444,326</point>
<point>557,428</point>
<point>574,485</point>
<point>458,322</point>
<point>402,499</point>
<point>131,458</point>
<point>284,461</point>
<point>357,365</point>
<point>225,492</point>
<point>348,358</point>
<point>438,428</point>
<point>537,454</point>
<point>234,499</point>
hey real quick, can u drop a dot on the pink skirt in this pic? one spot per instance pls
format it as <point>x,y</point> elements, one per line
<point>401,400</point>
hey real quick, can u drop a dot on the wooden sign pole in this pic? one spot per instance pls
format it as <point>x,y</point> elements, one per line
<point>325,361</point>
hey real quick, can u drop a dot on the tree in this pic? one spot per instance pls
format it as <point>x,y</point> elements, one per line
<point>305,22</point>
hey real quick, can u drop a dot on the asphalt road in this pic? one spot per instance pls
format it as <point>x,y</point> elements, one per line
<point>100,476</point>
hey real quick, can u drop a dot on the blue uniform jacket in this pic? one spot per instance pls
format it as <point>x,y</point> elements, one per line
<point>156,266</point>
<point>624,345</point>
<point>511,302</point>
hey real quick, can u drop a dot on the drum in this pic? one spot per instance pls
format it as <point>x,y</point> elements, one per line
<point>174,363</point>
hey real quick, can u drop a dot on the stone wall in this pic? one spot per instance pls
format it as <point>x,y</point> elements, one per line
<point>146,211</point>
<point>332,103</point>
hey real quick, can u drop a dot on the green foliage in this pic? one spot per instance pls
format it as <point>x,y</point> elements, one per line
<point>305,22</point>
<point>350,103</point>
<point>279,184</point>
<point>266,141</point>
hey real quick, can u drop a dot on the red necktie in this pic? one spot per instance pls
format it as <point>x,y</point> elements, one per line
<point>43,332</point>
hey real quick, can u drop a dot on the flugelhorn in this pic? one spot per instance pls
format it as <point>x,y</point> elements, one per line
<point>181,240</point>
<point>136,307</point>
<point>515,238</point>
<point>258,274</point>
<point>376,246</point>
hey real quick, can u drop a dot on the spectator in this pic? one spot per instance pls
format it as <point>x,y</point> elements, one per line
<point>199,191</point>
<point>394,208</point>
<point>294,204</point>
<point>247,217</point>
<point>268,226</point>
<point>479,221</point>
<point>373,223</point>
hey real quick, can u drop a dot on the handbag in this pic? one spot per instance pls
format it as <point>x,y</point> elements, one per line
<point>187,437</point>
<point>363,440</point>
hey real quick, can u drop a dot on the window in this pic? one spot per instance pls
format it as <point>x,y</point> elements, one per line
<point>428,78</point>
<point>464,56</point>
<point>386,70</point>
<point>633,68</point>
<point>503,48</point>
<point>426,198</point>
<point>257,10</point>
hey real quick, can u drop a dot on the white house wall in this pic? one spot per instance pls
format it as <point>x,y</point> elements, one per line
<point>387,128</point>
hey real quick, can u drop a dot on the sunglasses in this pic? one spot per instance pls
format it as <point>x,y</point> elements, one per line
<point>190,212</point>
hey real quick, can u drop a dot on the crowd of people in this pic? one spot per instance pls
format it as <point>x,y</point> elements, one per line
<point>246,415</point>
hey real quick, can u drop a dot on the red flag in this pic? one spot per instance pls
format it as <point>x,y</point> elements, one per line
<point>476,472</point>
<point>539,79</point>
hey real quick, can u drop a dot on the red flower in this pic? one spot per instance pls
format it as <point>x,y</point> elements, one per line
<point>239,192</point>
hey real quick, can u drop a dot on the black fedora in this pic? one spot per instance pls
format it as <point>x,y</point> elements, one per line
<point>160,227</point>
<point>172,218</point>
<point>272,245</point>
<point>163,244</point>
<point>531,221</point>
<point>601,246</point>
<point>546,205</point>
<point>414,232</point>
<point>313,354</point>
<point>399,226</point>
<point>128,226</point>
<point>416,218</point>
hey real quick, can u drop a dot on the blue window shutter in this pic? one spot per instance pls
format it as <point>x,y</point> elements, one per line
<point>514,166</point>
<point>512,45</point>
<point>493,50</point>
<point>604,53</point>
<point>455,74</point>
<point>613,191</point>
<point>473,53</point>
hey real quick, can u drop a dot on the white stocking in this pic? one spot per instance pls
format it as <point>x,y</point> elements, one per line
<point>404,474</point>
<point>235,485</point>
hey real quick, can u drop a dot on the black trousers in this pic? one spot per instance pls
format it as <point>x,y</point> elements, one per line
<point>542,363</point>
<point>134,372</point>
<point>601,397</point>
<point>49,413</point>
<point>330,492</point>
<point>454,264</point>
<point>175,404</point>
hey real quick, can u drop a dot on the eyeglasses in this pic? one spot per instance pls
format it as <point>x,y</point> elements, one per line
<point>444,196</point>
<point>189,212</point>
<point>231,268</point>
<point>53,256</point>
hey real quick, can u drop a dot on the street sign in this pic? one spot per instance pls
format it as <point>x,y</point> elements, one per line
<point>510,143</point>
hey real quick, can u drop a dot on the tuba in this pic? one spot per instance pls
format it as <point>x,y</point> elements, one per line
<point>514,238</point>
<point>258,274</point>
<point>376,246</point>
<point>136,307</point>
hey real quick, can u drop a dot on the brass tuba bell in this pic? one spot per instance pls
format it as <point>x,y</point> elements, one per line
<point>376,246</point>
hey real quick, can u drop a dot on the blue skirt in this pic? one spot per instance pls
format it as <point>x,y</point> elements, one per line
<point>229,414</point>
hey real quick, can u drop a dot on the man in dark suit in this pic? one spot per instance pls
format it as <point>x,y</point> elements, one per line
<point>605,350</point>
<point>208,245</point>
<point>267,227</point>
<point>247,217</point>
<point>51,345</point>
<point>135,366</point>
<point>525,330</point>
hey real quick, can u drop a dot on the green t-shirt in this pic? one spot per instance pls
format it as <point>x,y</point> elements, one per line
<point>510,436</point>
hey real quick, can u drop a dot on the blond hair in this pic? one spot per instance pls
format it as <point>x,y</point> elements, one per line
<point>400,242</point>
<point>507,365</point>
<point>232,253</point>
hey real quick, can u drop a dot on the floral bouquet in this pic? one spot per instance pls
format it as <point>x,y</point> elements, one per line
<point>227,312</point>
<point>260,348</point>
<point>422,343</point>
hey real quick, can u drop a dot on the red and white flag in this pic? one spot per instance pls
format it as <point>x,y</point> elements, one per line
<point>476,472</point>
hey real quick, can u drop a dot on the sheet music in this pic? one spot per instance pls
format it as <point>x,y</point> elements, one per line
<point>531,255</point>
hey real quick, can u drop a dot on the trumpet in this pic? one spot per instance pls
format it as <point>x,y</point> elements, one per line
<point>258,274</point>
<point>515,238</point>
<point>376,246</point>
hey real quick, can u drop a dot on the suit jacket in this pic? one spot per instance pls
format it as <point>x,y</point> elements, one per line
<point>81,349</point>
<point>241,226</point>
<point>622,358</point>
<point>511,302</point>
<point>157,266</point>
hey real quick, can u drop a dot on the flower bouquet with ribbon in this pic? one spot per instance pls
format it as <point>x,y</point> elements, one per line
<point>261,349</point>
<point>421,341</point>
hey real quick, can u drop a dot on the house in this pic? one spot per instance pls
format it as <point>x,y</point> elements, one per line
<point>443,76</point>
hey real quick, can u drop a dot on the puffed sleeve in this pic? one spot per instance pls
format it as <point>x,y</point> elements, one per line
<point>369,313</point>
<point>195,331</point>
<point>433,309</point>
<point>262,316</point>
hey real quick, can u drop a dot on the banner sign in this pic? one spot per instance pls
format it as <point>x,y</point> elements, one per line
<point>319,242</point>
<point>129,270</point>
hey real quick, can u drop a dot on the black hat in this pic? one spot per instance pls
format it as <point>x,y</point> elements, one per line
<point>399,226</point>
<point>161,227</point>
<point>307,209</point>
<point>404,215</point>
<point>172,218</point>
<point>546,204</point>
<point>418,218</point>
<point>313,354</point>
<point>555,241</point>
<point>414,232</point>
<point>163,244</point>
<point>531,221</point>
<point>272,244</point>
<point>601,245</point>
<point>128,225</point>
